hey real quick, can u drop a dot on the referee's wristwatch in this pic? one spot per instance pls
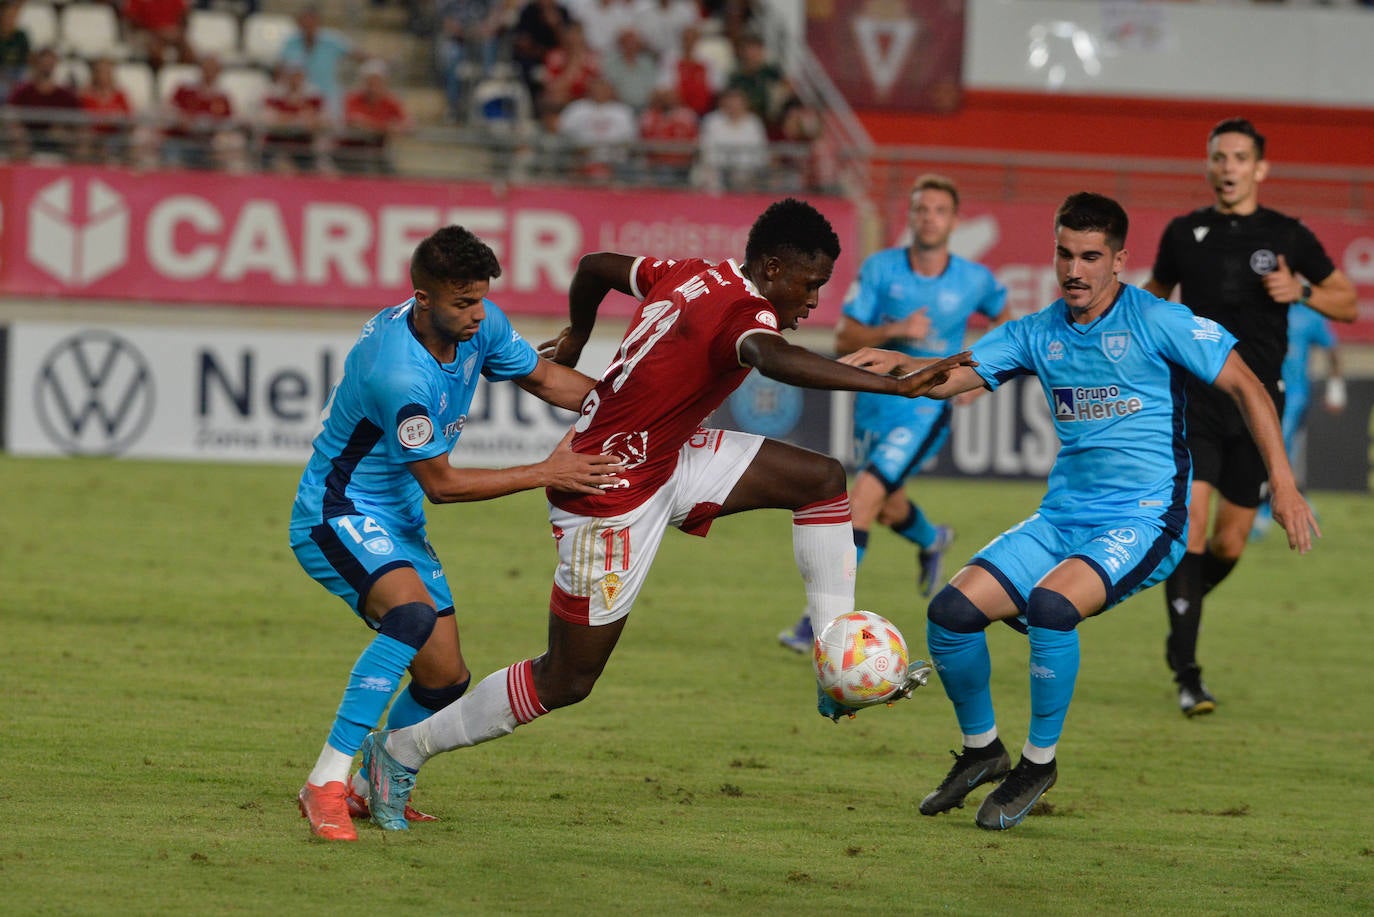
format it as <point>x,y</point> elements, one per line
<point>1306,296</point>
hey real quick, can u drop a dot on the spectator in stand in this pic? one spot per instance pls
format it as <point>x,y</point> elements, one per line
<point>570,68</point>
<point>538,30</point>
<point>295,135</point>
<point>321,53</point>
<point>204,133</point>
<point>372,116</point>
<point>733,146</point>
<point>689,77</point>
<point>800,161</point>
<point>157,30</point>
<point>604,20</point>
<point>662,23</point>
<point>14,47</point>
<point>600,128</point>
<point>51,128</point>
<point>669,123</point>
<point>467,46</point>
<point>105,136</point>
<point>630,67</point>
<point>761,81</point>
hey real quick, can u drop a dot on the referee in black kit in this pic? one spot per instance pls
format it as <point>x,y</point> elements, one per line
<point>1241,265</point>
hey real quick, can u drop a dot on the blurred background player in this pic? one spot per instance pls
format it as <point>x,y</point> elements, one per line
<point>1239,264</point>
<point>1112,521</point>
<point>916,299</point>
<point>358,523</point>
<point>699,329</point>
<point>1308,331</point>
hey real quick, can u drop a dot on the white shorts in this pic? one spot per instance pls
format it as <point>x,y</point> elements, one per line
<point>603,560</point>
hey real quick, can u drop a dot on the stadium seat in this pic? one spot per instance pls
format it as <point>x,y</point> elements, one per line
<point>263,36</point>
<point>92,30</point>
<point>500,104</point>
<point>245,87</point>
<point>39,22</point>
<point>214,32</point>
<point>74,73</point>
<point>173,75</point>
<point>136,79</point>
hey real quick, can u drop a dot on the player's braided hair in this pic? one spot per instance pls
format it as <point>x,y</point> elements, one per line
<point>452,255</point>
<point>791,226</point>
<point>1089,212</point>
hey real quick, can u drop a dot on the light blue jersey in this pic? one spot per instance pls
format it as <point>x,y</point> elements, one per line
<point>1307,328</point>
<point>1115,388</point>
<point>397,404</point>
<point>888,290</point>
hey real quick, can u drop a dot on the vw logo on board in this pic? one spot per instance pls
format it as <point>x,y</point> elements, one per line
<point>93,394</point>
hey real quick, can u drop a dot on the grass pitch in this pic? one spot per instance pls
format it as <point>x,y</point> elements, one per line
<point>170,673</point>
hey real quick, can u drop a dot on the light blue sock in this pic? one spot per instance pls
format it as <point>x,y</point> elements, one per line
<point>406,711</point>
<point>965,668</point>
<point>370,685</point>
<point>1053,671</point>
<point>917,529</point>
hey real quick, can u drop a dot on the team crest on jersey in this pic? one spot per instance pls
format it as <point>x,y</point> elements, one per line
<point>414,432</point>
<point>1263,261</point>
<point>1200,233</point>
<point>610,588</point>
<point>632,447</point>
<point>468,366</point>
<point>1124,536</point>
<point>1204,329</point>
<point>765,317</point>
<point>1055,351</point>
<point>1115,344</point>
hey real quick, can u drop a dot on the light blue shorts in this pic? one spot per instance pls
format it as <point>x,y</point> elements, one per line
<point>347,554</point>
<point>1129,555</point>
<point>895,452</point>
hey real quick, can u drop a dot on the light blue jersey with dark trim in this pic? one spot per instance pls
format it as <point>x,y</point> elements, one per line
<point>397,404</point>
<point>888,290</point>
<point>1116,391</point>
<point>1307,328</point>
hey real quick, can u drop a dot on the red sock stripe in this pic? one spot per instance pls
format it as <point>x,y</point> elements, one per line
<point>834,511</point>
<point>524,703</point>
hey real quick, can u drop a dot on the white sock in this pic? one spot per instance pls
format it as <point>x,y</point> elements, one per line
<point>823,545</point>
<point>982,739</point>
<point>332,765</point>
<point>1037,755</point>
<point>500,702</point>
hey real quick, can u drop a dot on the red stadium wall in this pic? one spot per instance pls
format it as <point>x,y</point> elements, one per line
<point>1121,126</point>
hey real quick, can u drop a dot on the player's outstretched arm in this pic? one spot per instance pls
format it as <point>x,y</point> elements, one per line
<point>778,359</point>
<point>563,470</point>
<point>1290,509</point>
<point>922,376</point>
<point>557,384</point>
<point>598,273</point>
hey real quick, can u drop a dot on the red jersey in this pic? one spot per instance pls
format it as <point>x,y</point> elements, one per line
<point>678,361</point>
<point>156,15</point>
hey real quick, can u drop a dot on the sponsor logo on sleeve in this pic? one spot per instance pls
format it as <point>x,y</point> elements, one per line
<point>765,317</point>
<point>414,432</point>
<point>1204,329</point>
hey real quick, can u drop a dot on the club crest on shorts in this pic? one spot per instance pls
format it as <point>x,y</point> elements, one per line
<point>1115,344</point>
<point>610,588</point>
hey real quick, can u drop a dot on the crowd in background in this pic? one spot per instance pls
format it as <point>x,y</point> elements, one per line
<point>662,91</point>
<point>146,93</point>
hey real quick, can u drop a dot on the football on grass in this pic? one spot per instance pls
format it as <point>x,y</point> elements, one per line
<point>861,659</point>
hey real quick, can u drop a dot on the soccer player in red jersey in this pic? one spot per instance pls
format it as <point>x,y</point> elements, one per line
<point>700,328</point>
